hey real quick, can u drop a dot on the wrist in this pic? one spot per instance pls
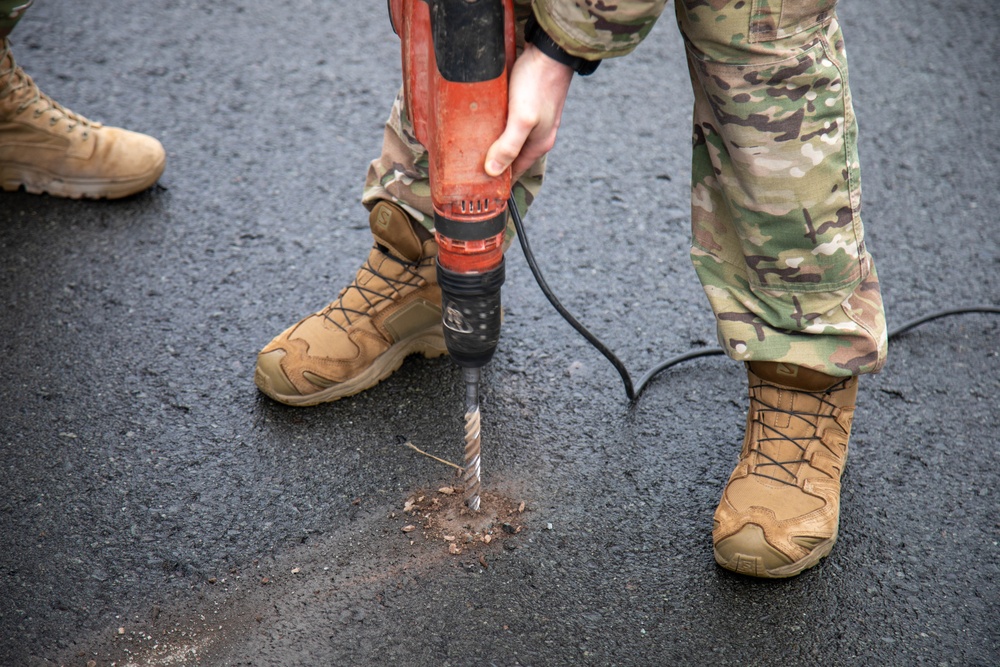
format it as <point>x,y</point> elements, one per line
<point>534,34</point>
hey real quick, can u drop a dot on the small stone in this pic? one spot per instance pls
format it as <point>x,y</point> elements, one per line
<point>121,631</point>
<point>446,490</point>
<point>454,549</point>
<point>509,529</point>
<point>409,528</point>
<point>296,570</point>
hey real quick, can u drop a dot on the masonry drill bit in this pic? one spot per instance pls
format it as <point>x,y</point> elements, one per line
<point>472,438</point>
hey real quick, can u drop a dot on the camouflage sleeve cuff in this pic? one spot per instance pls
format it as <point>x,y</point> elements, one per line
<point>597,30</point>
<point>534,34</point>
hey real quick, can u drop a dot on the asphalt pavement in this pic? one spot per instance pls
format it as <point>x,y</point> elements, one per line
<point>157,510</point>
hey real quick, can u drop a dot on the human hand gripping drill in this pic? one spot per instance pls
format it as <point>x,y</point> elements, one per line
<point>456,58</point>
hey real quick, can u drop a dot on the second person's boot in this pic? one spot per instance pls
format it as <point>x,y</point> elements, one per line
<point>390,311</point>
<point>46,148</point>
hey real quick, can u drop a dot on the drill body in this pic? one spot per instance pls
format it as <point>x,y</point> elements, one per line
<point>456,61</point>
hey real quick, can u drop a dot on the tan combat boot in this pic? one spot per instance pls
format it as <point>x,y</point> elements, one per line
<point>780,510</point>
<point>45,147</point>
<point>390,311</point>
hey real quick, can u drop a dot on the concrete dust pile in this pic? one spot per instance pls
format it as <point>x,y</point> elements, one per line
<point>441,516</point>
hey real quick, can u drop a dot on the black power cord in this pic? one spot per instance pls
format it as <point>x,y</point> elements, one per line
<point>633,390</point>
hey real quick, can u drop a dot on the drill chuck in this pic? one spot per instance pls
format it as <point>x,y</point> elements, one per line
<point>471,314</point>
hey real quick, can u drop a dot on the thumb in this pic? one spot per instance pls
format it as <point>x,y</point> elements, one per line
<point>505,150</point>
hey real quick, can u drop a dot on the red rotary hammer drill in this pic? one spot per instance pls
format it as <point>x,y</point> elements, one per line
<point>456,58</point>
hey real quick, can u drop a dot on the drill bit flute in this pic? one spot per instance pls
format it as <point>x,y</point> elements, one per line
<point>471,473</point>
<point>457,56</point>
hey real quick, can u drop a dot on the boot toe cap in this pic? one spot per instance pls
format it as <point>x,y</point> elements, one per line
<point>132,157</point>
<point>748,552</point>
<point>270,377</point>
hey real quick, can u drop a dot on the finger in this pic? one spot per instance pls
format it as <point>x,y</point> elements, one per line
<point>533,150</point>
<point>505,150</point>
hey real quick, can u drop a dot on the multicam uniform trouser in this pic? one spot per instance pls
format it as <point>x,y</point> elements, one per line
<point>777,239</point>
<point>11,12</point>
<point>776,195</point>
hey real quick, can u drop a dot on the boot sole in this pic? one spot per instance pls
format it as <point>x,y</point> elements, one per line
<point>13,178</point>
<point>430,345</point>
<point>753,566</point>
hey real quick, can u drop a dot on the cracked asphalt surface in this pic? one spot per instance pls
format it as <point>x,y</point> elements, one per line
<point>156,510</point>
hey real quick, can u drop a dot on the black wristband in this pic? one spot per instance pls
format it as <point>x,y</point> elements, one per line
<point>534,34</point>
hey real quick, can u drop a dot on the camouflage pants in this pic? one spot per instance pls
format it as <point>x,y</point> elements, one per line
<point>778,242</point>
<point>11,12</point>
<point>777,239</point>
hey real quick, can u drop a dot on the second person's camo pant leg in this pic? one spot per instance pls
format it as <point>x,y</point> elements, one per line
<point>778,242</point>
<point>399,174</point>
<point>11,12</point>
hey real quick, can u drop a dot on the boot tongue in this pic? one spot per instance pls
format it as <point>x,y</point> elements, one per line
<point>393,230</point>
<point>796,377</point>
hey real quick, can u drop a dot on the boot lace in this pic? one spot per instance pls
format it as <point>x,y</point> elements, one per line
<point>781,469</point>
<point>396,285</point>
<point>13,79</point>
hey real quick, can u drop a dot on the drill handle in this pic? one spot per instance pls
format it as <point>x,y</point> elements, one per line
<point>456,58</point>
